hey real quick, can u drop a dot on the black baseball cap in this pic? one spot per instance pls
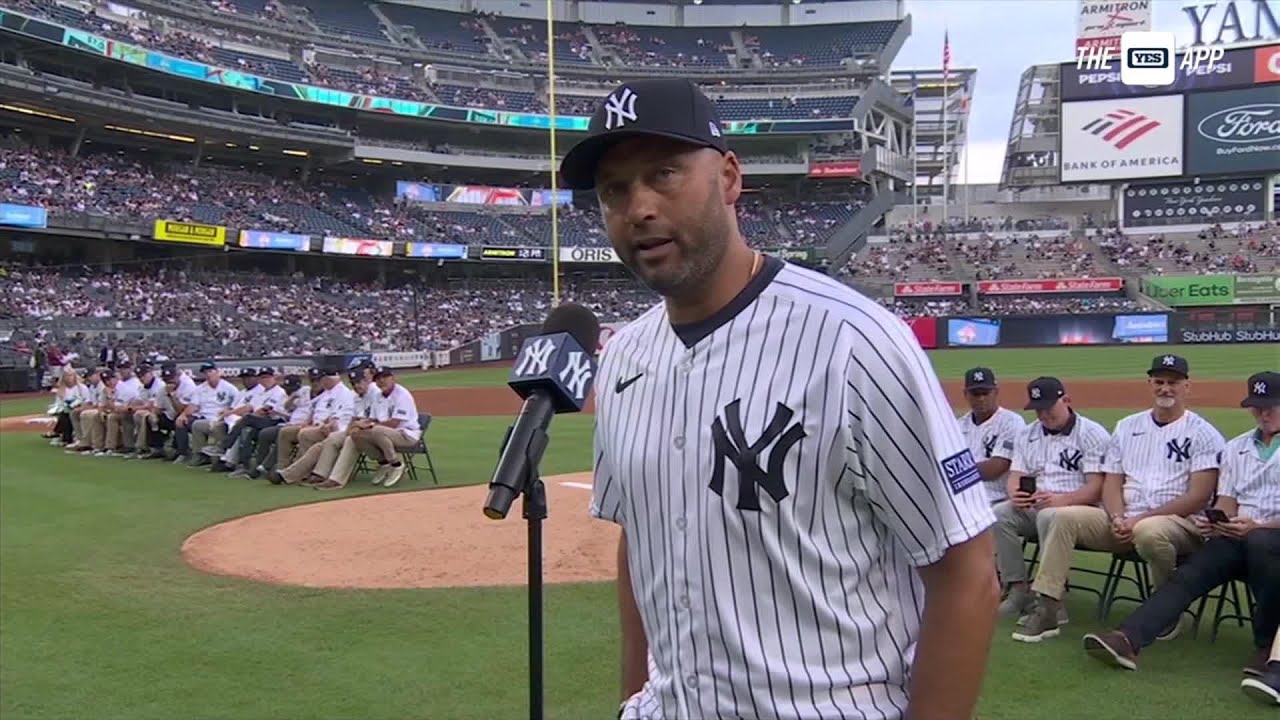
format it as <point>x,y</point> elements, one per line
<point>1264,390</point>
<point>382,372</point>
<point>1043,392</point>
<point>1175,364</point>
<point>291,383</point>
<point>356,375</point>
<point>169,372</point>
<point>107,374</point>
<point>672,108</point>
<point>266,371</point>
<point>145,368</point>
<point>979,378</point>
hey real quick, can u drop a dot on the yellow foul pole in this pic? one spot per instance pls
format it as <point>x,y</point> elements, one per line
<point>553,154</point>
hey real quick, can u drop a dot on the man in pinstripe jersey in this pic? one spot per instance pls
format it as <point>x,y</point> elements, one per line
<point>805,531</point>
<point>1242,542</point>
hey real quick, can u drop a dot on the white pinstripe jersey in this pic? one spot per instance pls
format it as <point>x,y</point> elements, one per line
<point>779,471</point>
<point>1060,460</point>
<point>993,438</point>
<point>1253,483</point>
<point>1157,461</point>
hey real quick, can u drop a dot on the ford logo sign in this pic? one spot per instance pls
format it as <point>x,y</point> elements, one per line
<point>1255,123</point>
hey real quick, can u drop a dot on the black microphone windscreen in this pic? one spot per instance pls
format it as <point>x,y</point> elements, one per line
<point>576,320</point>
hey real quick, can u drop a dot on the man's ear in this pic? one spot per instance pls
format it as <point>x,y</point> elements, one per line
<point>730,178</point>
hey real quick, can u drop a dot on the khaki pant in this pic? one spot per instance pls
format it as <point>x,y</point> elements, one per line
<point>1275,648</point>
<point>93,423</point>
<point>120,427</point>
<point>77,426</point>
<point>142,421</point>
<point>383,443</point>
<point>1157,540</point>
<point>206,433</point>
<point>343,463</point>
<point>317,448</point>
<point>286,438</point>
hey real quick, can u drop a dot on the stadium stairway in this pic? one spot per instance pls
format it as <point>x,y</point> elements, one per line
<point>850,237</point>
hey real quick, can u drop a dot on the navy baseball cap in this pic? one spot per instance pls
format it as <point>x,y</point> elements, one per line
<point>1264,390</point>
<point>266,371</point>
<point>169,372</point>
<point>1043,392</point>
<point>382,372</point>
<point>979,378</point>
<point>315,373</point>
<point>356,375</point>
<point>106,375</point>
<point>672,108</point>
<point>1175,364</point>
<point>145,368</point>
<point>292,383</point>
<point>207,366</point>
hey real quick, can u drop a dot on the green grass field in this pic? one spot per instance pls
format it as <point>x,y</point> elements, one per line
<point>102,619</point>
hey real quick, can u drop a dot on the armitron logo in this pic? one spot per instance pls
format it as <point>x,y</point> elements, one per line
<point>1121,128</point>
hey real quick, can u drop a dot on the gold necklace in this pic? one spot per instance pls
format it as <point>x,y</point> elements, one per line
<point>755,264</point>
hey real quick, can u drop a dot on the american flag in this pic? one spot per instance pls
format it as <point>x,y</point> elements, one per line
<point>946,55</point>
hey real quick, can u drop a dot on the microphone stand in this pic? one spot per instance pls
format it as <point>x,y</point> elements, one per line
<point>533,502</point>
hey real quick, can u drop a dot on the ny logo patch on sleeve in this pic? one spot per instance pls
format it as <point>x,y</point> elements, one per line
<point>960,471</point>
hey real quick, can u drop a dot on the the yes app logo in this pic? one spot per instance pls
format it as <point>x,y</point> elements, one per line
<point>1146,58</point>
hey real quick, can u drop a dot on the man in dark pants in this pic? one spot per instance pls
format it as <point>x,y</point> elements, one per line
<point>1243,541</point>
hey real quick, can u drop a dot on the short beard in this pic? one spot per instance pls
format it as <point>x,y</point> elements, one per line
<point>1166,402</point>
<point>708,242</point>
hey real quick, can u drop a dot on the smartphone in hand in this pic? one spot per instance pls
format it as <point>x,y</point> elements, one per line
<point>1216,516</point>
<point>1027,485</point>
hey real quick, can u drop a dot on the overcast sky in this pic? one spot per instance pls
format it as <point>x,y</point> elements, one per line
<point>1001,38</point>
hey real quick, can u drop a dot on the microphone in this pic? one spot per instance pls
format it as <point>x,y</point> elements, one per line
<point>553,373</point>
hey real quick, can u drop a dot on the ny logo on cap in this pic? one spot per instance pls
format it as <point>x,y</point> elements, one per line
<point>619,109</point>
<point>1035,393</point>
<point>1168,360</point>
<point>1259,388</point>
<point>979,376</point>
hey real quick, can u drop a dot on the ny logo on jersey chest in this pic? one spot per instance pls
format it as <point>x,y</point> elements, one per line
<point>731,444</point>
<point>1069,459</point>
<point>989,444</point>
<point>1178,450</point>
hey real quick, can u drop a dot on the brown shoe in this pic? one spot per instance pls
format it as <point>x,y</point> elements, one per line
<point>1042,624</point>
<point>328,485</point>
<point>1257,664</point>
<point>313,480</point>
<point>1112,648</point>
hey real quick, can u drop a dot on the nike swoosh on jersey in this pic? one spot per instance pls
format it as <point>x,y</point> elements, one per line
<point>1137,434</point>
<point>624,384</point>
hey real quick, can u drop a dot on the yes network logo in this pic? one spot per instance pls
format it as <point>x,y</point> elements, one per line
<point>1121,128</point>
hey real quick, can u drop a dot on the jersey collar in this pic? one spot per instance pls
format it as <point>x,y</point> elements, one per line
<point>1066,429</point>
<point>691,334</point>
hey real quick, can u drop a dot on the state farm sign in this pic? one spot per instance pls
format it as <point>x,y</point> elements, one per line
<point>842,168</point>
<point>928,289</point>
<point>1052,285</point>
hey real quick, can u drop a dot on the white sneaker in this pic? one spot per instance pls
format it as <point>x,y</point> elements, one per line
<point>394,473</point>
<point>210,451</point>
<point>380,474</point>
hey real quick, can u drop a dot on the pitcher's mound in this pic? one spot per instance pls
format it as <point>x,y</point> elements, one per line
<point>429,539</point>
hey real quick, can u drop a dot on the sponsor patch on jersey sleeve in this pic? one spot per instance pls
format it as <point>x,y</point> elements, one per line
<point>960,471</point>
<point>1007,445</point>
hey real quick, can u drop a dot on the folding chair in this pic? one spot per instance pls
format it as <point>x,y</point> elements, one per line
<point>408,456</point>
<point>1111,586</point>
<point>1240,613</point>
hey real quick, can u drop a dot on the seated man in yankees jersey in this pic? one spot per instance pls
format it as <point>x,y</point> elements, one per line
<point>1242,542</point>
<point>989,429</point>
<point>804,528</point>
<point>1057,463</point>
<point>1162,468</point>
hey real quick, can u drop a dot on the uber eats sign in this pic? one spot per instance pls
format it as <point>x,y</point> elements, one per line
<point>1197,290</point>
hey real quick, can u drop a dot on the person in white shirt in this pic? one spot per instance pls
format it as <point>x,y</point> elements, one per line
<point>1242,542</point>
<point>209,408</point>
<point>84,417</point>
<point>392,427</point>
<point>321,441</point>
<point>297,405</point>
<point>130,386</point>
<point>1162,467</point>
<point>338,460</point>
<point>144,410</point>
<point>266,409</point>
<point>71,393</point>
<point>179,394</point>
<point>1058,461</point>
<point>288,437</point>
<point>105,430</point>
<point>989,430</point>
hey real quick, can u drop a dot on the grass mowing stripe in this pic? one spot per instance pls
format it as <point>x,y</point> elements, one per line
<point>1109,362</point>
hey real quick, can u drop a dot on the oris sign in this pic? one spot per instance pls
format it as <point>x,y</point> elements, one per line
<point>1236,131</point>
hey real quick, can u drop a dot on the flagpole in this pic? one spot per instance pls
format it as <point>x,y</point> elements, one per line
<point>946,141</point>
<point>964,162</point>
